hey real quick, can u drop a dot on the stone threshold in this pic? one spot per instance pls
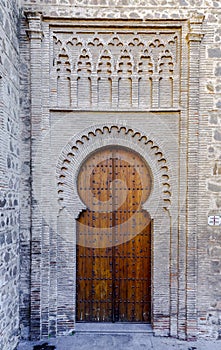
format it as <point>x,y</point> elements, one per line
<point>113,328</point>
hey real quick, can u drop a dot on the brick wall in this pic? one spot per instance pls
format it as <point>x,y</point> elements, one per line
<point>9,175</point>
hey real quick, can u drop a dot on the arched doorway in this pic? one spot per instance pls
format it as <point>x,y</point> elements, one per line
<point>114,238</point>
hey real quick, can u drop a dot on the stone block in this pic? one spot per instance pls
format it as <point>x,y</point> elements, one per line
<point>214,53</point>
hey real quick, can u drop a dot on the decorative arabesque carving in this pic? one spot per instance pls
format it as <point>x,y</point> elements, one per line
<point>166,71</point>
<point>69,155</point>
<point>145,82</point>
<point>84,69</point>
<point>64,78</point>
<point>116,70</point>
<point>104,82</point>
<point>125,68</point>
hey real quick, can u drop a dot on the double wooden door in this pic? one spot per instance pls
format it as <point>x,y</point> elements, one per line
<point>114,238</point>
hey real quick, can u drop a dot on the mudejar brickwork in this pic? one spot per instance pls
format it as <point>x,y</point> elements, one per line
<point>110,166</point>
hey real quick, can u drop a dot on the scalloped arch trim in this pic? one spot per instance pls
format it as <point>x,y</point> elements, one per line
<point>81,145</point>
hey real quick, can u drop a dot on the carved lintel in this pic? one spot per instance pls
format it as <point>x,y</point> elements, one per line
<point>35,25</point>
<point>194,37</point>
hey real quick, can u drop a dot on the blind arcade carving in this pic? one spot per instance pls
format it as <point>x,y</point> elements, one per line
<point>115,69</point>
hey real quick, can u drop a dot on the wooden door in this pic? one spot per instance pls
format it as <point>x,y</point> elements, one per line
<point>114,238</point>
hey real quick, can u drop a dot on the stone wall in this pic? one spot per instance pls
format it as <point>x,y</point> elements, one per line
<point>209,238</point>
<point>204,279</point>
<point>9,175</point>
<point>25,183</point>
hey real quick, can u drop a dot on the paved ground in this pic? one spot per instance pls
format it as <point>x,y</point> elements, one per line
<point>131,341</point>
